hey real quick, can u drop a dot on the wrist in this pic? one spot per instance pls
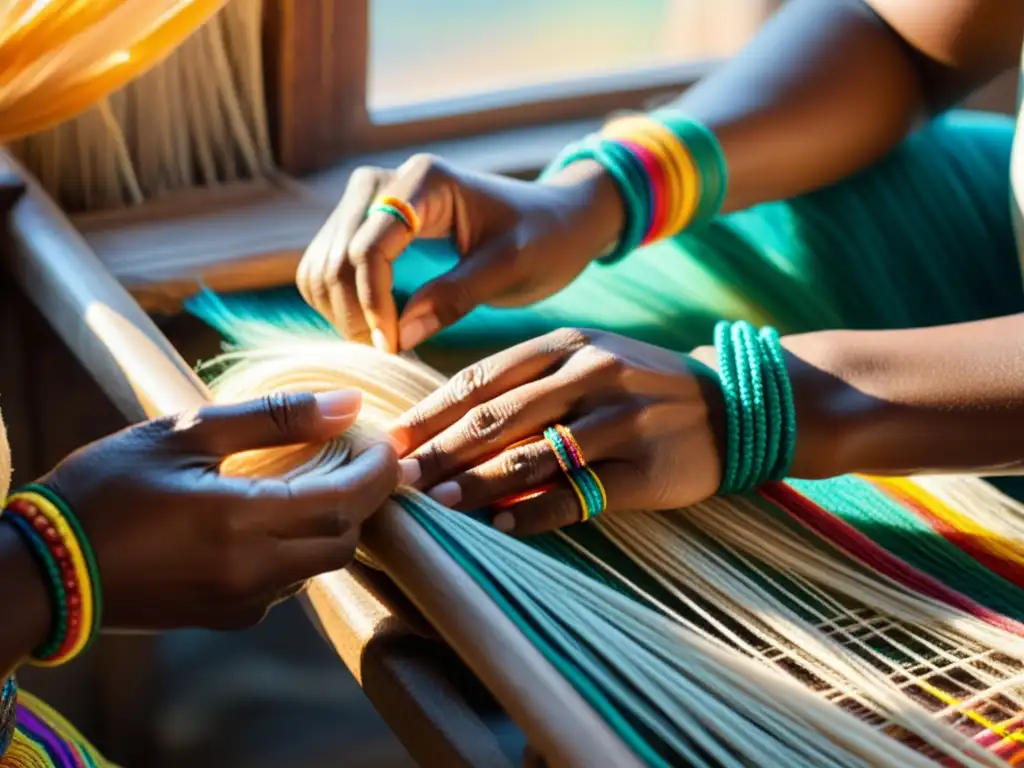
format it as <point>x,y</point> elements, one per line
<point>27,600</point>
<point>597,201</point>
<point>831,415</point>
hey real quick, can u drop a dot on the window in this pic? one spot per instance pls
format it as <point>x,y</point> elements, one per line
<point>350,76</point>
<point>463,52</point>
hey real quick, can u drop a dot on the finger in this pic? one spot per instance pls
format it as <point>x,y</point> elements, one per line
<point>522,468</point>
<point>321,277</point>
<point>478,278</point>
<point>480,383</point>
<point>381,238</point>
<point>490,428</point>
<point>299,560</point>
<point>333,503</point>
<point>560,507</point>
<point>277,419</point>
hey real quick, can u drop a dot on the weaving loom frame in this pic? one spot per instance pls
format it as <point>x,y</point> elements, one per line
<point>316,63</point>
<point>143,374</point>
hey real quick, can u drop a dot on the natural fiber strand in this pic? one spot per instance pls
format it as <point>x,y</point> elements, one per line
<point>727,631</point>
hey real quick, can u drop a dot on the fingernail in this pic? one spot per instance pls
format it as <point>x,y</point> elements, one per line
<point>414,331</point>
<point>380,341</point>
<point>409,470</point>
<point>504,521</point>
<point>339,404</point>
<point>446,494</point>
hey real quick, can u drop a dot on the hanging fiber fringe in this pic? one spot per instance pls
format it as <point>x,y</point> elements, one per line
<point>844,622</point>
<point>185,106</point>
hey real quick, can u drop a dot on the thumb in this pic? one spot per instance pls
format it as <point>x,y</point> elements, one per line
<point>274,420</point>
<point>478,278</point>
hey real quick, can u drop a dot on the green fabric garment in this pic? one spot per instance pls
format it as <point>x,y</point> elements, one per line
<point>923,237</point>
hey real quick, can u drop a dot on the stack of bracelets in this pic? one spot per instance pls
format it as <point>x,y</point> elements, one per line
<point>669,169</point>
<point>760,417</point>
<point>671,174</point>
<point>52,534</point>
<point>55,538</point>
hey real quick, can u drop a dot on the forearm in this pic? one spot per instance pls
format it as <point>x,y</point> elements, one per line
<point>947,399</point>
<point>26,610</point>
<point>829,86</point>
<point>823,90</point>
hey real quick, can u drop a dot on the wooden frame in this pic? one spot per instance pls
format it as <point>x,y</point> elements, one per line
<point>317,54</point>
<point>435,717</point>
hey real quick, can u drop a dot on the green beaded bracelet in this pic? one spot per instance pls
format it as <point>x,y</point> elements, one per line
<point>760,417</point>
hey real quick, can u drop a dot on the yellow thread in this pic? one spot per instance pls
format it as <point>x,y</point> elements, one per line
<point>998,545</point>
<point>977,717</point>
<point>70,541</point>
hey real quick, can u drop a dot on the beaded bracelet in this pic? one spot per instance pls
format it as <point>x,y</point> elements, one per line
<point>760,416</point>
<point>56,540</point>
<point>668,168</point>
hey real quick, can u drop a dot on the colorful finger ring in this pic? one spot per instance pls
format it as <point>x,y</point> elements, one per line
<point>399,209</point>
<point>584,481</point>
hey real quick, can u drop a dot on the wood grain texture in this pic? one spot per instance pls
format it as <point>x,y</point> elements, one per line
<point>138,368</point>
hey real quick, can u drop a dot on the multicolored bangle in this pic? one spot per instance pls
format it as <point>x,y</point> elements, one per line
<point>56,540</point>
<point>669,169</point>
<point>760,416</point>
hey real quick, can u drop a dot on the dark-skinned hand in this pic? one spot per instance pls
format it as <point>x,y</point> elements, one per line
<point>520,241</point>
<point>646,420</point>
<point>178,544</point>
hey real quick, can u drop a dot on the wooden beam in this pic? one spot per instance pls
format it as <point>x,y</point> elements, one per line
<point>315,55</point>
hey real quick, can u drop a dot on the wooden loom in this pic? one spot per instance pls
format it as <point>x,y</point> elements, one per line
<point>85,277</point>
<point>434,706</point>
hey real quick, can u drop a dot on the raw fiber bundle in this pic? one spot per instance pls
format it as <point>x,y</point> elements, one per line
<point>847,622</point>
<point>114,102</point>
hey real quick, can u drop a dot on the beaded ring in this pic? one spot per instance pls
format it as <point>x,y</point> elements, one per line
<point>585,483</point>
<point>399,209</point>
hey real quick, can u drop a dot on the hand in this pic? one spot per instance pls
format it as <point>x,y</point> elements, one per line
<point>645,418</point>
<point>520,242</point>
<point>178,544</point>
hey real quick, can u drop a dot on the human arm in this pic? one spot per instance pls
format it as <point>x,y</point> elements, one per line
<point>824,89</point>
<point>179,543</point>
<point>943,399</point>
<point>651,422</point>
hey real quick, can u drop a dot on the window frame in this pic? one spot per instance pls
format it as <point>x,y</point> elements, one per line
<point>316,67</point>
